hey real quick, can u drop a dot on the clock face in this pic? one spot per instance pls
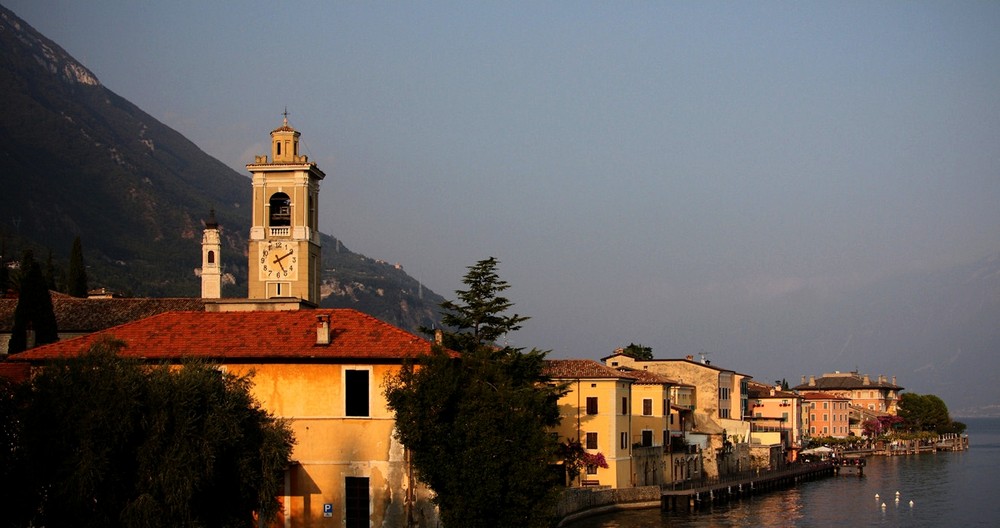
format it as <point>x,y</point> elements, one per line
<point>277,259</point>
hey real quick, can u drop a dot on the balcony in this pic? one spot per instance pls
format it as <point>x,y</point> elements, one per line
<point>281,231</point>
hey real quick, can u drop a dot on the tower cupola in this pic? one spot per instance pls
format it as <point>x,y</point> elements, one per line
<point>285,144</point>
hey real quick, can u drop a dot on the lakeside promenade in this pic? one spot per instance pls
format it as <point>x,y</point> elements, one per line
<point>692,495</point>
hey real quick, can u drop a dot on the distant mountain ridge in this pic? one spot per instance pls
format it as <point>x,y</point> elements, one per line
<point>77,159</point>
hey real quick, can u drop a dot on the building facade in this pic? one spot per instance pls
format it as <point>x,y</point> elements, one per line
<point>320,370</point>
<point>874,394</point>
<point>827,415</point>
<point>596,410</point>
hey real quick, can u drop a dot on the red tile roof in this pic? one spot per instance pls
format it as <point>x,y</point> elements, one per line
<point>258,336</point>
<point>75,315</point>
<point>823,396</point>
<point>645,377</point>
<point>581,368</point>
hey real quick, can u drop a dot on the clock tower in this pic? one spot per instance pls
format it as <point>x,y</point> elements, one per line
<point>284,258</point>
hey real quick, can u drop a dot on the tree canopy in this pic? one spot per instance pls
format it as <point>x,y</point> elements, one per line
<point>638,351</point>
<point>105,441</point>
<point>926,412</point>
<point>475,415</point>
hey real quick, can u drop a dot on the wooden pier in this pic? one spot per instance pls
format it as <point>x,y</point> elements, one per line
<point>698,494</point>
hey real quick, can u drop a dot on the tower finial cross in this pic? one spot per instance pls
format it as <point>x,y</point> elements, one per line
<point>285,113</point>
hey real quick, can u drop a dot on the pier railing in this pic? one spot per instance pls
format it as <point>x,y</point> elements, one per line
<point>742,476</point>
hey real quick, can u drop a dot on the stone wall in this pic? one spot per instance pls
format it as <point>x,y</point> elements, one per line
<point>576,503</point>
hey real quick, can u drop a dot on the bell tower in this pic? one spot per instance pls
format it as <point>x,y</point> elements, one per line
<point>284,253</point>
<point>211,249</point>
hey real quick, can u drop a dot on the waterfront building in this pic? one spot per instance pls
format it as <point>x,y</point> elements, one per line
<point>874,394</point>
<point>718,424</point>
<point>826,415</point>
<point>775,419</point>
<point>596,411</point>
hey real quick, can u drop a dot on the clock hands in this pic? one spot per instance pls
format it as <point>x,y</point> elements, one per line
<point>277,260</point>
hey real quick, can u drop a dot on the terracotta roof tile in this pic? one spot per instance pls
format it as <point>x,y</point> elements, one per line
<point>278,335</point>
<point>822,396</point>
<point>645,377</point>
<point>76,315</point>
<point>581,368</point>
<point>846,382</point>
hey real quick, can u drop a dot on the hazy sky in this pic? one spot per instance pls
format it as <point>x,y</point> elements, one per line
<point>649,172</point>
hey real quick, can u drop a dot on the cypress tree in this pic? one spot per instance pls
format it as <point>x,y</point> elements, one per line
<point>34,309</point>
<point>77,279</point>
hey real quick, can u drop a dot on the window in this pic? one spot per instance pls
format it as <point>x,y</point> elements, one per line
<point>825,405</point>
<point>591,469</point>
<point>277,145</point>
<point>356,502</point>
<point>826,417</point>
<point>624,440</point>
<point>784,416</point>
<point>647,438</point>
<point>647,407</point>
<point>591,405</point>
<point>356,392</point>
<point>624,404</point>
<point>211,257</point>
<point>591,440</point>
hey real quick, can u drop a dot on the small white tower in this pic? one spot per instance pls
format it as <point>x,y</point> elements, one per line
<point>211,273</point>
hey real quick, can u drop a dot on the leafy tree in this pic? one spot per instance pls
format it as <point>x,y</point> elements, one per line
<point>77,286</point>
<point>638,351</point>
<point>476,417</point>
<point>924,412</point>
<point>34,309</point>
<point>107,441</point>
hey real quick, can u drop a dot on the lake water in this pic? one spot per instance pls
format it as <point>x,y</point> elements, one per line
<point>947,489</point>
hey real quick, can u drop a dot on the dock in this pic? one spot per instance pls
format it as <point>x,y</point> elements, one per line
<point>693,495</point>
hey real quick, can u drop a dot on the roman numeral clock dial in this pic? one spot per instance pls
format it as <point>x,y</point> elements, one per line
<point>278,260</point>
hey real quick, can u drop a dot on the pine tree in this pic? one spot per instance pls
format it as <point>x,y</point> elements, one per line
<point>480,409</point>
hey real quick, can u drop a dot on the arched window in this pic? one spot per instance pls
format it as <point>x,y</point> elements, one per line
<point>281,210</point>
<point>211,257</point>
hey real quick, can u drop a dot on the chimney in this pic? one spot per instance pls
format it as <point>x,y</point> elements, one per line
<point>812,381</point>
<point>803,380</point>
<point>322,329</point>
<point>894,380</point>
<point>867,380</point>
<point>689,357</point>
<point>438,337</point>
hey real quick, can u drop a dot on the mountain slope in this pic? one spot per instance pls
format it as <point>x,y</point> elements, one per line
<point>78,160</point>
